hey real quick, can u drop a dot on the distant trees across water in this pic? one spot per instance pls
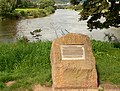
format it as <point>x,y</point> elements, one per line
<point>23,8</point>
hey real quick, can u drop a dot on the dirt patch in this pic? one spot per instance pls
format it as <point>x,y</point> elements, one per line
<point>10,83</point>
<point>110,87</point>
<point>105,87</point>
<point>41,88</point>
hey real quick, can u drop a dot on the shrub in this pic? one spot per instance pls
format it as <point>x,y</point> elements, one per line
<point>69,7</point>
<point>24,13</point>
<point>50,10</point>
<point>34,13</point>
<point>46,3</point>
<point>16,14</point>
<point>78,7</point>
<point>42,13</point>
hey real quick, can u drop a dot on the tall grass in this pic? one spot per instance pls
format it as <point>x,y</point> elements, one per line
<point>29,63</point>
<point>25,63</point>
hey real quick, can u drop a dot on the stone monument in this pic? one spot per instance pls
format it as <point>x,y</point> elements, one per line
<point>73,63</point>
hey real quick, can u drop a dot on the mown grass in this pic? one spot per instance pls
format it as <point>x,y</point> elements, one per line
<point>29,63</point>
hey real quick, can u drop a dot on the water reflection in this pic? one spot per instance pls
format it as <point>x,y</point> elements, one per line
<point>8,30</point>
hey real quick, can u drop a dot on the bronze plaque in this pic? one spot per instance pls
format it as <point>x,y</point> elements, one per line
<point>72,52</point>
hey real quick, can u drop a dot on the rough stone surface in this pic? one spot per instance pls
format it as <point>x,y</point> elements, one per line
<point>73,74</point>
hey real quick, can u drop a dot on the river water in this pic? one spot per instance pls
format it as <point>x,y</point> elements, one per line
<point>52,26</point>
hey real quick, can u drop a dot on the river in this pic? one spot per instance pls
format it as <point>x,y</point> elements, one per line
<point>52,27</point>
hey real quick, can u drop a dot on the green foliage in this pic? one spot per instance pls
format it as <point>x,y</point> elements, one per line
<point>6,7</point>
<point>16,15</point>
<point>2,85</point>
<point>23,13</point>
<point>74,7</point>
<point>25,4</point>
<point>25,63</point>
<point>109,9</point>
<point>35,14</point>
<point>69,7</point>
<point>108,61</point>
<point>78,7</point>
<point>46,3</point>
<point>42,13</point>
<point>50,10</point>
<point>74,2</point>
<point>29,63</point>
<point>32,12</point>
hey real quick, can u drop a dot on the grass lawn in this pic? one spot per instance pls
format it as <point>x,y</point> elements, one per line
<point>29,63</point>
<point>108,61</point>
<point>26,9</point>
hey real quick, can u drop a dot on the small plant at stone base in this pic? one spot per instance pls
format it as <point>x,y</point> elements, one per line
<point>36,34</point>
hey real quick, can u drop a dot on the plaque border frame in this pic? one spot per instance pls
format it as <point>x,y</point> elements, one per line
<point>79,45</point>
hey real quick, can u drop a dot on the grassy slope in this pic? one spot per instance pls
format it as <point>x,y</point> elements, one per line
<point>108,61</point>
<point>25,63</point>
<point>29,63</point>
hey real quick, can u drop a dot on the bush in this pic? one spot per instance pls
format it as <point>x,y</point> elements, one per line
<point>34,13</point>
<point>78,7</point>
<point>46,3</point>
<point>69,7</point>
<point>16,14</point>
<point>42,13</point>
<point>24,13</point>
<point>50,10</point>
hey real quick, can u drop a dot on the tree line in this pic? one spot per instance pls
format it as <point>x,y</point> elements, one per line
<point>7,7</point>
<point>92,10</point>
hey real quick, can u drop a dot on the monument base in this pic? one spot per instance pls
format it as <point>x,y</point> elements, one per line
<point>77,89</point>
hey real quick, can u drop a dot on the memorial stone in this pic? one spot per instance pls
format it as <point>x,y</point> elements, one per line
<point>73,63</point>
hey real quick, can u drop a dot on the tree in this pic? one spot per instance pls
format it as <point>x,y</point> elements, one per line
<point>46,3</point>
<point>94,10</point>
<point>74,2</point>
<point>25,4</point>
<point>6,7</point>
